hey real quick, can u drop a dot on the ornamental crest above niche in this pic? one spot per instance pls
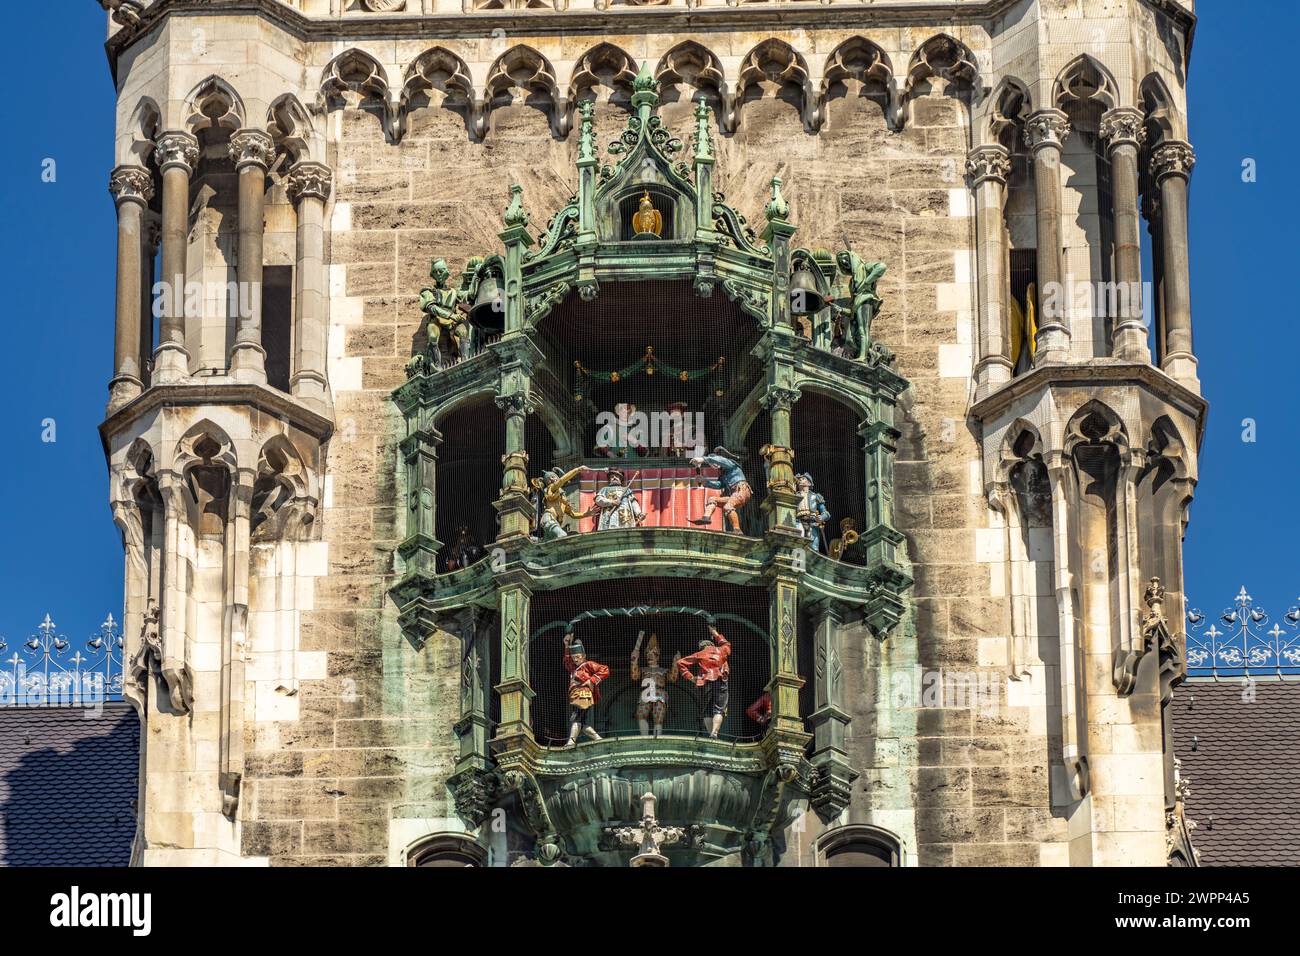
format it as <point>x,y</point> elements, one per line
<point>648,211</point>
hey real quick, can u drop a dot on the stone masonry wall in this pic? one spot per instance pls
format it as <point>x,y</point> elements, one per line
<point>360,775</point>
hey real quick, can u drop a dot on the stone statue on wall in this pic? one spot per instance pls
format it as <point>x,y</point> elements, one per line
<point>150,644</point>
<point>864,302</point>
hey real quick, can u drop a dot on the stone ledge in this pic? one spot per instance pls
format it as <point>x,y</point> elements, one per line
<point>412,24</point>
<point>272,401</point>
<point>1096,372</point>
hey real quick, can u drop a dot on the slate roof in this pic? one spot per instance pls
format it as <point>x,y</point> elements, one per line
<point>68,785</point>
<point>1244,772</point>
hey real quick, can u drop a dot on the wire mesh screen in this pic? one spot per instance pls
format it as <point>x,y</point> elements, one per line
<point>647,412</point>
<point>670,618</point>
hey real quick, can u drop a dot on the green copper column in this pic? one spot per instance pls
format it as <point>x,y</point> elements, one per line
<point>470,784</point>
<point>515,731</point>
<point>517,356</point>
<point>784,627</point>
<point>880,541</point>
<point>781,393</point>
<point>419,549</point>
<point>830,721</point>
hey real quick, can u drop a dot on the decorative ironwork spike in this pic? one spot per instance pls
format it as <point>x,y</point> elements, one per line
<point>645,81</point>
<point>515,214</point>
<point>777,210</point>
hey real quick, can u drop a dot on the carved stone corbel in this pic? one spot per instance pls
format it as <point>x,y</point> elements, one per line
<point>175,669</point>
<point>474,792</point>
<point>522,783</point>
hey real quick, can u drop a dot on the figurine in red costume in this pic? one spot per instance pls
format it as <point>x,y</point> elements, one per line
<point>760,711</point>
<point>584,675</point>
<point>711,662</point>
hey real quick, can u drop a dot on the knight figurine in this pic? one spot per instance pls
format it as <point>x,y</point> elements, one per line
<point>654,679</point>
<point>446,322</point>
<point>617,504</point>
<point>864,302</point>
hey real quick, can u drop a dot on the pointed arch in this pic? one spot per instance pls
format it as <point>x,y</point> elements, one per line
<point>438,77</point>
<point>690,64</point>
<point>859,59</point>
<point>137,471</point>
<point>774,62</point>
<point>1084,80</point>
<point>1164,119</point>
<point>439,70</point>
<point>214,104</point>
<point>284,496</point>
<point>1095,423</point>
<point>355,72</point>
<point>1007,108</point>
<point>949,59</point>
<point>291,128</point>
<point>523,69</point>
<point>1022,442</point>
<point>204,443</point>
<point>143,128</point>
<point>603,65</point>
<point>944,56</point>
<point>1021,492</point>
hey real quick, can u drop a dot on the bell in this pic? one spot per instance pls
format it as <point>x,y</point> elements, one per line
<point>804,297</point>
<point>489,310</point>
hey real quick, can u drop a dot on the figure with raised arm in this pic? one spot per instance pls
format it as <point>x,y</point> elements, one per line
<point>654,679</point>
<point>708,667</point>
<point>733,484</point>
<point>552,502</point>
<point>864,301</point>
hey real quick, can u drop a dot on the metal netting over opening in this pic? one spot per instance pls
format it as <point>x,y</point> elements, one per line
<point>677,612</point>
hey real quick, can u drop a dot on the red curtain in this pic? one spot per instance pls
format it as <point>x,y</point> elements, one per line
<point>671,497</point>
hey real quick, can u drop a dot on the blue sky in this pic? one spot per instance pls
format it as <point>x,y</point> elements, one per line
<point>60,553</point>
